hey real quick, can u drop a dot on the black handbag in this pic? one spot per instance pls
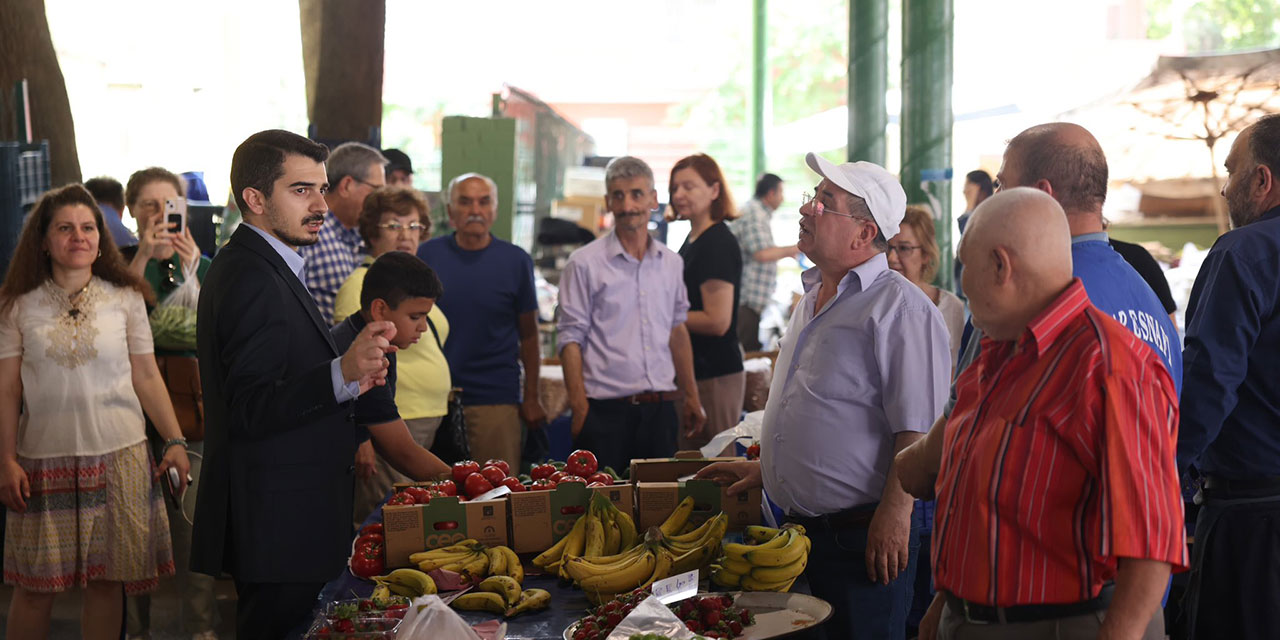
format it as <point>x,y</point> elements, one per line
<point>450,444</point>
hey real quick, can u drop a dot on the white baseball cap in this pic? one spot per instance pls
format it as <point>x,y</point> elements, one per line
<point>879,188</point>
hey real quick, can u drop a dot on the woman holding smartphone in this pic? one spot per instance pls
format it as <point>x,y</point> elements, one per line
<point>76,374</point>
<point>165,255</point>
<point>712,272</point>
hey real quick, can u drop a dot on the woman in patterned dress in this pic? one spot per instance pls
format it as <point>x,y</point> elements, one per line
<point>76,372</point>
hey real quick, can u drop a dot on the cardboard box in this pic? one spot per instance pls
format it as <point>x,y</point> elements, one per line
<point>671,469</point>
<point>445,521</point>
<point>656,500</point>
<point>540,518</point>
<point>588,212</point>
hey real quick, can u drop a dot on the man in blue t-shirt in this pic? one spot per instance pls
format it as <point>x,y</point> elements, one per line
<point>493,319</point>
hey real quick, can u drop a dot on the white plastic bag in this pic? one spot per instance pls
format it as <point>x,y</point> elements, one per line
<point>173,322</point>
<point>429,617</point>
<point>651,616</point>
<point>746,431</point>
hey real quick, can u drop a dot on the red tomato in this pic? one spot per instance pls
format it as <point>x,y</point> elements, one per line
<point>557,476</point>
<point>753,451</point>
<point>367,561</point>
<point>476,484</point>
<point>513,484</point>
<point>501,464</point>
<point>464,468</point>
<point>593,485</point>
<point>401,499</point>
<point>542,471</point>
<point>581,463</point>
<point>368,539</point>
<point>542,484</point>
<point>493,474</point>
<point>447,487</point>
<point>446,526</point>
<point>571,479</point>
<point>372,528</point>
<point>420,495</point>
<point>601,477</point>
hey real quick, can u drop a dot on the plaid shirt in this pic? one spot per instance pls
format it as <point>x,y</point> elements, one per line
<point>330,261</point>
<point>759,279</point>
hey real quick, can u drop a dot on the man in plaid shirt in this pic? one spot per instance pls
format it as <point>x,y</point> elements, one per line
<point>355,170</point>
<point>759,258</point>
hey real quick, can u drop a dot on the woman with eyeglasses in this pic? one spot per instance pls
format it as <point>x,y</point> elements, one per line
<point>399,219</point>
<point>712,274</point>
<point>163,257</point>
<point>76,375</point>
<point>914,253</point>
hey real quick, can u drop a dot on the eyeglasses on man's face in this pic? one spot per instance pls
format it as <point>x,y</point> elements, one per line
<point>819,209</point>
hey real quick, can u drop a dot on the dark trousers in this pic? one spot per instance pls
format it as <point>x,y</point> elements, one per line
<point>749,329</point>
<point>617,431</point>
<point>1235,569</point>
<point>274,610</point>
<point>861,609</point>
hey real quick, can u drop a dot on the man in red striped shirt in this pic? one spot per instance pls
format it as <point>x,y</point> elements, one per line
<point>1059,513</point>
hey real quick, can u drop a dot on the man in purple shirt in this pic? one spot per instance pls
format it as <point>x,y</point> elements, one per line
<point>861,373</point>
<point>622,340</point>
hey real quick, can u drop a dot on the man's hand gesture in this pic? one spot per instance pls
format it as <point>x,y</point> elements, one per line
<point>366,360</point>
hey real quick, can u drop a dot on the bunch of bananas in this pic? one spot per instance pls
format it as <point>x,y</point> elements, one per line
<point>772,562</point>
<point>410,583</point>
<point>472,559</point>
<point>502,595</point>
<point>603,531</point>
<point>657,556</point>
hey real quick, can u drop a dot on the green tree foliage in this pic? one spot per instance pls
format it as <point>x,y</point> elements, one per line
<point>1211,26</point>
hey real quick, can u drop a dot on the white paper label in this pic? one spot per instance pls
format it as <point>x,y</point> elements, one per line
<point>677,588</point>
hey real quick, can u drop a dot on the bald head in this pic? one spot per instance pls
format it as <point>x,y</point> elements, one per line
<point>1062,159</point>
<point>1016,252</point>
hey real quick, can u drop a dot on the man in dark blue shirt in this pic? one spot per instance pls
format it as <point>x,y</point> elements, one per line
<point>401,289</point>
<point>1230,426</point>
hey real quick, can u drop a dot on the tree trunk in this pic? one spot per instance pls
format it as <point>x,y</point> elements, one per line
<point>342,52</point>
<point>26,52</point>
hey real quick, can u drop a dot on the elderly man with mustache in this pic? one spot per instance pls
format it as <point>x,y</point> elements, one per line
<point>493,318</point>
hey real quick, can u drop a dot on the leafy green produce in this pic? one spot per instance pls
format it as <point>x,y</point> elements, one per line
<point>174,327</point>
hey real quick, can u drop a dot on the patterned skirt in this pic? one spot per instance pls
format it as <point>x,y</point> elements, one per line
<point>89,518</point>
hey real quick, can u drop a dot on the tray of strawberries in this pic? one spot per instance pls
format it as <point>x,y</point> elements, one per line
<point>364,619</point>
<point>751,615</point>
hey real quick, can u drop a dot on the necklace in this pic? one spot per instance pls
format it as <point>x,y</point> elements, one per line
<point>70,339</point>
<point>74,299</point>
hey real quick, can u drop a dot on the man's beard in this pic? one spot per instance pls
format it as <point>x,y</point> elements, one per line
<point>296,239</point>
<point>1240,210</point>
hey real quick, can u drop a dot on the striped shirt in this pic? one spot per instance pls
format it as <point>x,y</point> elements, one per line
<point>330,261</point>
<point>1060,461</point>
<point>753,232</point>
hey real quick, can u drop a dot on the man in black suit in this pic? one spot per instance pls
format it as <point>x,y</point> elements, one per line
<point>274,508</point>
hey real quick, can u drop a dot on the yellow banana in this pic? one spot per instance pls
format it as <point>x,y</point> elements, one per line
<point>695,535</point>
<point>408,582</point>
<point>676,521</point>
<point>582,568</point>
<point>497,561</point>
<point>612,537</point>
<point>504,586</point>
<point>458,565</point>
<point>661,569</point>
<point>695,558</point>
<point>740,567</point>
<point>530,600</point>
<point>477,568</point>
<point>758,534</point>
<point>627,529</point>
<point>594,535</point>
<point>793,550</point>
<point>469,544</point>
<point>438,559</point>
<point>739,551</point>
<point>724,577</point>
<point>380,593</point>
<point>481,601</point>
<point>577,542</point>
<point>747,583</point>
<point>710,535</point>
<point>512,567</point>
<point>781,573</point>
<point>551,555</point>
<point>623,579</point>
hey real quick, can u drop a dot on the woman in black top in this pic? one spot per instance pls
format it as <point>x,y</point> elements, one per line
<point>712,272</point>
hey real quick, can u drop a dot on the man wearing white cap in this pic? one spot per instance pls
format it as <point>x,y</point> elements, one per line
<point>862,372</point>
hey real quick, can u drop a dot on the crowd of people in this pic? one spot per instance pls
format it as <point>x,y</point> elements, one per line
<point>1008,459</point>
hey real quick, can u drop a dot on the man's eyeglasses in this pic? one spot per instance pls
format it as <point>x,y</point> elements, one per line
<point>396,227</point>
<point>903,249</point>
<point>819,209</point>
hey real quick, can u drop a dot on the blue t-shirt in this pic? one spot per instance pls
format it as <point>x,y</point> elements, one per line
<point>485,292</point>
<point>1116,288</point>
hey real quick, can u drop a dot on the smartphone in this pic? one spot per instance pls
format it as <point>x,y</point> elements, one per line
<point>175,214</point>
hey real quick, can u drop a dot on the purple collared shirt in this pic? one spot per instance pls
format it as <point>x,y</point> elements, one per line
<point>872,363</point>
<point>621,311</point>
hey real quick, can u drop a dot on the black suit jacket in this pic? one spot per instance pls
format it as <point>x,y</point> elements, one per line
<point>277,482</point>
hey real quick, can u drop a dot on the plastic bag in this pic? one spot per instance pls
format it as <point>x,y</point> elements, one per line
<point>173,322</point>
<point>746,431</point>
<point>429,617</point>
<point>651,616</point>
